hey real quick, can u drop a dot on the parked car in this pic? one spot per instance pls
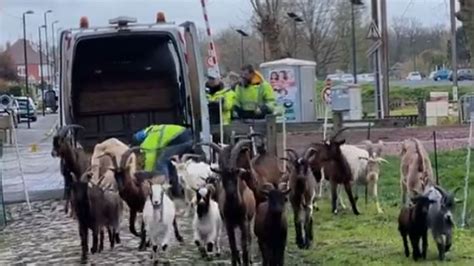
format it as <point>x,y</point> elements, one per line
<point>23,114</point>
<point>442,74</point>
<point>463,74</point>
<point>334,77</point>
<point>432,75</point>
<point>366,77</point>
<point>412,76</point>
<point>347,78</point>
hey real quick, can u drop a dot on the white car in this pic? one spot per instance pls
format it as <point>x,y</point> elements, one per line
<point>347,78</point>
<point>412,76</point>
<point>334,77</point>
<point>366,77</point>
<point>432,74</point>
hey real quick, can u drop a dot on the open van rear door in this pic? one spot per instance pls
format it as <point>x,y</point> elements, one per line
<point>65,55</point>
<point>196,77</point>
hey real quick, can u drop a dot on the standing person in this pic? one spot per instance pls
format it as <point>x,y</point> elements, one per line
<point>159,143</point>
<point>254,96</point>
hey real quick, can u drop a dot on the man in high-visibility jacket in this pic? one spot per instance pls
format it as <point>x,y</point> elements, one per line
<point>159,143</point>
<point>254,96</point>
<point>215,92</point>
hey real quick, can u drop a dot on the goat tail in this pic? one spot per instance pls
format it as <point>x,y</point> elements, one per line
<point>176,231</point>
<point>366,194</point>
<point>133,216</point>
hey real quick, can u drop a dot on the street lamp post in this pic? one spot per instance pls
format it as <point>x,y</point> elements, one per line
<point>26,68</point>
<point>242,35</point>
<point>47,48</point>
<point>354,53</point>
<point>54,51</point>
<point>41,67</point>
<point>296,19</point>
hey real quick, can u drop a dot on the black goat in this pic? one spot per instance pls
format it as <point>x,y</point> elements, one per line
<point>413,222</point>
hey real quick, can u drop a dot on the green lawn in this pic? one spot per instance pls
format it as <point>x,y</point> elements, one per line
<point>372,239</point>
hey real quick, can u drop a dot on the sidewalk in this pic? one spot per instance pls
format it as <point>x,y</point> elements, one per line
<point>41,171</point>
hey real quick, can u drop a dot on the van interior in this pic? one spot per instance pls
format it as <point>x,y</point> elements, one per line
<point>124,82</point>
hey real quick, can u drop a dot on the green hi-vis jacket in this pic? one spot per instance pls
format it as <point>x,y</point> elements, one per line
<point>259,92</point>
<point>228,102</point>
<point>157,138</point>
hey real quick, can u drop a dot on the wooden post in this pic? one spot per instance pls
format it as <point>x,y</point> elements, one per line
<point>271,134</point>
<point>336,121</point>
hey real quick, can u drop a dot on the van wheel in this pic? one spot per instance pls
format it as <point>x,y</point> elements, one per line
<point>34,119</point>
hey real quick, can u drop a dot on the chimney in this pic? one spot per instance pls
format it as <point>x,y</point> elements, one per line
<point>8,45</point>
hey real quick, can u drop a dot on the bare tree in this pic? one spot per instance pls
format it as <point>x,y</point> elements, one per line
<point>466,15</point>
<point>267,20</point>
<point>7,68</point>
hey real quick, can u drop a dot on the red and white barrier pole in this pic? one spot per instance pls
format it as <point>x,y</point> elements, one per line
<point>212,55</point>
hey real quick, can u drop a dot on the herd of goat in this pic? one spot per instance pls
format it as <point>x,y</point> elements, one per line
<point>245,187</point>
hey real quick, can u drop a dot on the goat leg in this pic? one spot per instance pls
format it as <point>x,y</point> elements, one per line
<point>83,231</point>
<point>101,240</point>
<point>376,197</point>
<point>415,246</point>
<point>298,229</point>
<point>176,231</point>
<point>142,246</point>
<point>233,245</point>
<point>245,232</point>
<point>133,217</point>
<point>424,243</point>
<point>405,243</point>
<point>95,233</point>
<point>348,188</point>
<point>110,232</point>
<point>309,231</point>
<point>334,196</point>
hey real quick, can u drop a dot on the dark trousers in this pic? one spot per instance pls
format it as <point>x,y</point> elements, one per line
<point>183,143</point>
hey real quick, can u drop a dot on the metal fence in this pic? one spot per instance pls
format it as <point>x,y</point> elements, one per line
<point>3,218</point>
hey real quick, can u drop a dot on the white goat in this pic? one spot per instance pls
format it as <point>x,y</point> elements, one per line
<point>159,216</point>
<point>364,169</point>
<point>191,176</point>
<point>207,223</point>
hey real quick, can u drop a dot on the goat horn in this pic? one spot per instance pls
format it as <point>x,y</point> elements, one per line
<point>338,133</point>
<point>456,190</point>
<point>213,145</point>
<point>236,150</point>
<point>112,158</point>
<point>292,154</point>
<point>127,154</point>
<point>309,152</point>
<point>186,156</point>
<point>380,159</point>
<point>62,131</point>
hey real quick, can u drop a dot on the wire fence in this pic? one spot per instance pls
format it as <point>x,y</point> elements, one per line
<point>3,218</point>
<point>38,168</point>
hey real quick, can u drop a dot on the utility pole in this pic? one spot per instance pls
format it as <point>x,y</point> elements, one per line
<point>243,35</point>
<point>385,59</point>
<point>454,56</point>
<point>47,47</point>
<point>41,69</point>
<point>354,53</point>
<point>377,66</point>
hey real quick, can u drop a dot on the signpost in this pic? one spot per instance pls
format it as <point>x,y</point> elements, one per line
<point>374,51</point>
<point>326,96</point>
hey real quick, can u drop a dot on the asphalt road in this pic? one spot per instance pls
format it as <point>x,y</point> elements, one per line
<point>429,83</point>
<point>40,170</point>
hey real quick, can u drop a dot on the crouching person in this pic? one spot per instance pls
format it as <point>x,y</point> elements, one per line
<point>159,143</point>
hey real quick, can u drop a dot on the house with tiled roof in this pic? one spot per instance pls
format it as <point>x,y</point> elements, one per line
<point>16,52</point>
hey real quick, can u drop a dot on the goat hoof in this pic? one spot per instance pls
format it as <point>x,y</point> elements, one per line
<point>164,247</point>
<point>83,260</point>
<point>117,238</point>
<point>218,254</point>
<point>210,246</point>
<point>142,248</point>
<point>93,250</point>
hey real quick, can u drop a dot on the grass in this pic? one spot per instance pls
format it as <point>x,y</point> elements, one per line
<point>373,239</point>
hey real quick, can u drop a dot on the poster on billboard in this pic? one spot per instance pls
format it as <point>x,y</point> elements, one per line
<point>285,87</point>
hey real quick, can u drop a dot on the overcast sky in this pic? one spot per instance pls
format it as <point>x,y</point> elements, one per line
<point>222,13</point>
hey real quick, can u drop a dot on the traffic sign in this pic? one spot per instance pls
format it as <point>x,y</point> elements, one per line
<point>373,48</point>
<point>373,33</point>
<point>210,61</point>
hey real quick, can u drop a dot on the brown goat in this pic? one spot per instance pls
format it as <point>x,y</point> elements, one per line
<point>416,172</point>
<point>74,161</point>
<point>237,201</point>
<point>271,226</point>
<point>302,197</point>
<point>133,192</point>
<point>328,156</point>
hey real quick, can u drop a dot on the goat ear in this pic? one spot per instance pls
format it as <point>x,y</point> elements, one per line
<point>363,158</point>
<point>340,142</point>
<point>166,186</point>
<point>173,162</point>
<point>216,170</point>
<point>456,200</point>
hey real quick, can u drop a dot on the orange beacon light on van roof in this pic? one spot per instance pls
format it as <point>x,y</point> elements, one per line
<point>84,23</point>
<point>160,17</point>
